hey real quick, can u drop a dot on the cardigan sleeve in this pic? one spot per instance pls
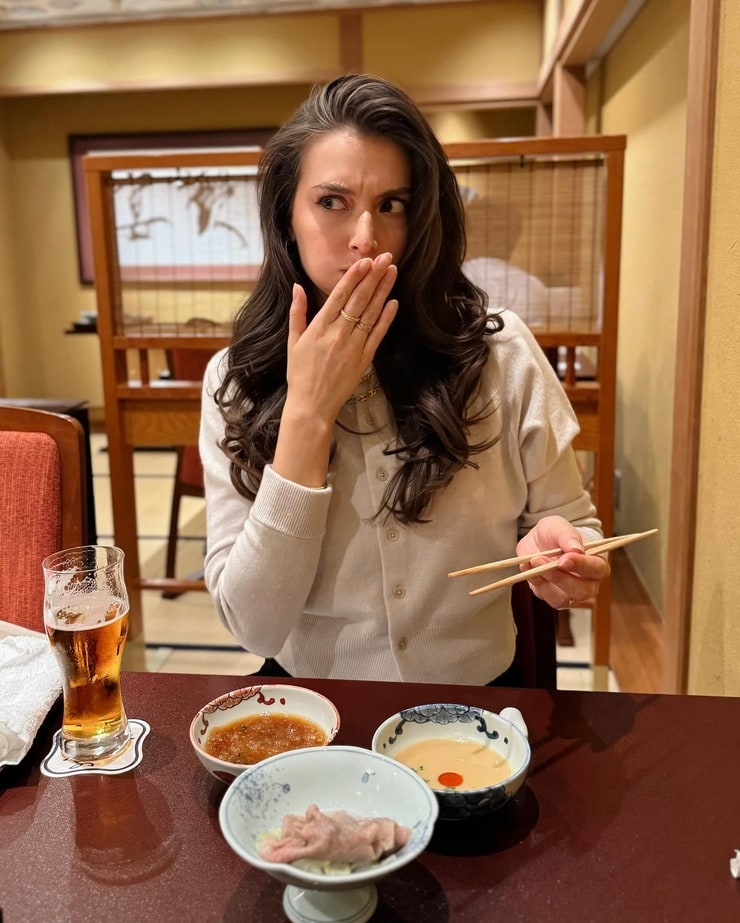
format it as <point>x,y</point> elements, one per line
<point>261,555</point>
<point>546,427</point>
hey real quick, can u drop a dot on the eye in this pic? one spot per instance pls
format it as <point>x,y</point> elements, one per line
<point>330,202</point>
<point>394,206</point>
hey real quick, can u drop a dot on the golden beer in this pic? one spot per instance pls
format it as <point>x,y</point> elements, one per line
<point>89,651</point>
<point>87,626</point>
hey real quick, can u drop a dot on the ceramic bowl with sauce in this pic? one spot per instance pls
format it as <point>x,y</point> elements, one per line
<point>338,778</point>
<point>245,726</point>
<point>473,759</point>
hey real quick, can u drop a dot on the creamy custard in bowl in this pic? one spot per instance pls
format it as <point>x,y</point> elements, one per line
<point>447,763</point>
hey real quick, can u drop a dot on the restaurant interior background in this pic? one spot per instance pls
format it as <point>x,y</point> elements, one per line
<point>476,68</point>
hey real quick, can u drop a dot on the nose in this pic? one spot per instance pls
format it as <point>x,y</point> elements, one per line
<point>363,240</point>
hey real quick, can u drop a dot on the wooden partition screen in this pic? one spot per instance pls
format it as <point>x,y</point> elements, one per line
<point>176,249</point>
<point>544,224</point>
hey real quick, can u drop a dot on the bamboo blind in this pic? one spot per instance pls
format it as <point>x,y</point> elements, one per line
<point>535,229</point>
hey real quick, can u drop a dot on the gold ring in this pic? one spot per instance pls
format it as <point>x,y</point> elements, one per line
<point>366,327</point>
<point>352,320</point>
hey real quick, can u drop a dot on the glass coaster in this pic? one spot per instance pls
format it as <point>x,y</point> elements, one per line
<point>56,765</point>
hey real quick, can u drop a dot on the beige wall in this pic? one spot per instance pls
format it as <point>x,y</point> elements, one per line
<point>714,663</point>
<point>220,52</point>
<point>462,125</point>
<point>206,62</point>
<point>643,87</point>
<point>459,44</point>
<point>417,47</point>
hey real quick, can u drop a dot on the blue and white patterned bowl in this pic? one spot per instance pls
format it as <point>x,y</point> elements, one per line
<point>335,778</point>
<point>506,733</point>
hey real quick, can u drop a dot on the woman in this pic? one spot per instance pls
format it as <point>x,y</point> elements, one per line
<point>372,426</point>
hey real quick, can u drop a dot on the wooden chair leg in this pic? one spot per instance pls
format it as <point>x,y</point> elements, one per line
<point>171,559</point>
<point>565,633</point>
<point>188,483</point>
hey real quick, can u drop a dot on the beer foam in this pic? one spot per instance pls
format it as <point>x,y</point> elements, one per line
<point>74,612</point>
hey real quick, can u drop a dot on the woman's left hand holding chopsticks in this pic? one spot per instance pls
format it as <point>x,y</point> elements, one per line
<point>575,581</point>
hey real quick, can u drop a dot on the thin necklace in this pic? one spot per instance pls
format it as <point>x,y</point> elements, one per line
<point>371,392</point>
<point>366,395</point>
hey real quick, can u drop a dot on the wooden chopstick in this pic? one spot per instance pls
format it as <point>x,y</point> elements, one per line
<point>523,558</point>
<point>599,546</point>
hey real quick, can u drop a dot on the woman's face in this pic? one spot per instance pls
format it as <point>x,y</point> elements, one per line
<point>350,202</point>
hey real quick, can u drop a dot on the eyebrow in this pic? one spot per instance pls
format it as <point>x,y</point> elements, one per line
<point>341,189</point>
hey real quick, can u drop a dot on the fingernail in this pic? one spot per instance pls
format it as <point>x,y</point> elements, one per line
<point>296,289</point>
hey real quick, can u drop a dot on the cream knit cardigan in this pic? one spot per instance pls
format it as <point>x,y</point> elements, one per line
<point>309,577</point>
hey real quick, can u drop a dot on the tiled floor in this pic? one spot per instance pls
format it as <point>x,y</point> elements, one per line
<point>185,635</point>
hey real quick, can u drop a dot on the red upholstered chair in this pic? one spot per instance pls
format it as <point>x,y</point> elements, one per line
<point>43,470</point>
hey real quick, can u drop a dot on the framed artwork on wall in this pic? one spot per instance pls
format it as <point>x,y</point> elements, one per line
<point>174,226</point>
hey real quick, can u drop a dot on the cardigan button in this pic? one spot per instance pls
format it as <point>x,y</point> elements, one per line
<point>381,474</point>
<point>393,535</point>
<point>399,592</point>
<point>402,644</point>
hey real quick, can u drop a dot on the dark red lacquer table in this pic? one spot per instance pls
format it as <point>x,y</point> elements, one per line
<point>631,812</point>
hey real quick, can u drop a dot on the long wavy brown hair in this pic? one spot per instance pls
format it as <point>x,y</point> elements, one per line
<point>431,360</point>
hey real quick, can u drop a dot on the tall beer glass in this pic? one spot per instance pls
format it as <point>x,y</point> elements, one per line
<point>86,618</point>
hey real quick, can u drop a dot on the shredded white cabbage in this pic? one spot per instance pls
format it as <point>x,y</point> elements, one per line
<point>322,867</point>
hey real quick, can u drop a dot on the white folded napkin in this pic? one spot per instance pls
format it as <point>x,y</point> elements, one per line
<point>29,685</point>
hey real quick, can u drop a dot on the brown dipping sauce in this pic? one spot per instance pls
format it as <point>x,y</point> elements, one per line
<point>254,738</point>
